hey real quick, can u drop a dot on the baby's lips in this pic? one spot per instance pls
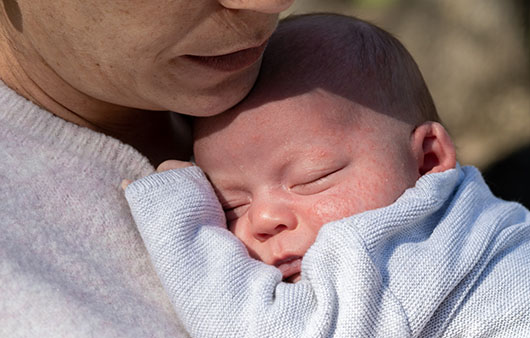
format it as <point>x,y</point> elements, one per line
<point>294,278</point>
<point>289,266</point>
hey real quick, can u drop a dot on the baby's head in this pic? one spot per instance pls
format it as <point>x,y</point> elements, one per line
<point>339,122</point>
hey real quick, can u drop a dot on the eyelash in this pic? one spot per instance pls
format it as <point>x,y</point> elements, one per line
<point>314,186</point>
<point>233,213</point>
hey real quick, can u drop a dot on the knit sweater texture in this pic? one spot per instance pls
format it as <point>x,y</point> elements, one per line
<point>447,259</point>
<point>72,263</point>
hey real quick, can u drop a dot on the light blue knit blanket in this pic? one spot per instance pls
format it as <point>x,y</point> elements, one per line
<point>447,259</point>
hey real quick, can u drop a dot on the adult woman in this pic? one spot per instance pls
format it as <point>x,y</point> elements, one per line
<point>71,260</point>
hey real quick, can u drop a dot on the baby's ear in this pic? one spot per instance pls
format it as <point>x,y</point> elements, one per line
<point>433,148</point>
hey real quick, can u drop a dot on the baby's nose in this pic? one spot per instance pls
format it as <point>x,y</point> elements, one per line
<point>270,219</point>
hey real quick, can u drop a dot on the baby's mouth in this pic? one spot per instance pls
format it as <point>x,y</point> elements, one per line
<point>293,278</point>
<point>290,268</point>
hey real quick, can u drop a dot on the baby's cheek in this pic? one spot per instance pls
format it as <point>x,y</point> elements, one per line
<point>331,209</point>
<point>240,231</point>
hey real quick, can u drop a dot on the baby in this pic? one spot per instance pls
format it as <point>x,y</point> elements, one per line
<point>335,173</point>
<point>314,143</point>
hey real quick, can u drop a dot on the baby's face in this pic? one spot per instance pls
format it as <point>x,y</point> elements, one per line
<point>286,168</point>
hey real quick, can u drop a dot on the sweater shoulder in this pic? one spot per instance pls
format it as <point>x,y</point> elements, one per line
<point>72,259</point>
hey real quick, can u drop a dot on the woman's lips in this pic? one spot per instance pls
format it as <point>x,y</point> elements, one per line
<point>232,61</point>
<point>290,268</point>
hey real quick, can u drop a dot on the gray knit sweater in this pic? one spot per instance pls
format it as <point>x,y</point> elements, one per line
<point>71,261</point>
<point>447,259</point>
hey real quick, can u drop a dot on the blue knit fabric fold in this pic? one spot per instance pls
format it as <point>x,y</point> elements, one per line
<point>447,259</point>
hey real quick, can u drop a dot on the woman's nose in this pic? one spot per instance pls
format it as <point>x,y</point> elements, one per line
<point>264,6</point>
<point>270,219</point>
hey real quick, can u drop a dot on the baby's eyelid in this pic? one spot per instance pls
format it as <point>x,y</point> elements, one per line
<point>235,211</point>
<point>314,181</point>
<point>310,186</point>
<point>233,206</point>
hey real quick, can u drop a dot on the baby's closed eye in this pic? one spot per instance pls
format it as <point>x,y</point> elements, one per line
<point>235,210</point>
<point>234,201</point>
<point>316,182</point>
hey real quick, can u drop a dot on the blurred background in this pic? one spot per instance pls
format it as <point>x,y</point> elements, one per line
<point>475,58</point>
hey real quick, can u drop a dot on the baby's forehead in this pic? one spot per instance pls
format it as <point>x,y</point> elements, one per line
<point>316,111</point>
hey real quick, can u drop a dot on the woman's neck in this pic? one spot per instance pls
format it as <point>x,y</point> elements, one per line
<point>157,135</point>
